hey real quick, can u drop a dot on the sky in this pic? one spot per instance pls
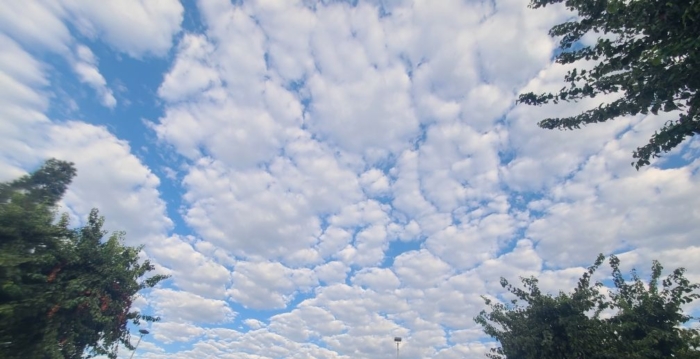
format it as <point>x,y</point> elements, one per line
<point>321,176</point>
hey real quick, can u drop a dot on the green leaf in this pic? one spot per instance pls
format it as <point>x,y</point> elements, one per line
<point>62,285</point>
<point>645,323</point>
<point>653,58</point>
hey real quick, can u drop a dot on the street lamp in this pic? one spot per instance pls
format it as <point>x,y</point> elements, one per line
<point>143,332</point>
<point>398,341</point>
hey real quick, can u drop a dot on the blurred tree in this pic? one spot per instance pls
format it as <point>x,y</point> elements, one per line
<point>644,320</point>
<point>64,293</point>
<point>650,55</point>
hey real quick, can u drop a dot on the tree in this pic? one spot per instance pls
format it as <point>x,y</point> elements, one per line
<point>45,186</point>
<point>650,55</point>
<point>646,320</point>
<point>64,293</point>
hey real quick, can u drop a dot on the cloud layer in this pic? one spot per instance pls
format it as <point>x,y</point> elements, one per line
<point>319,177</point>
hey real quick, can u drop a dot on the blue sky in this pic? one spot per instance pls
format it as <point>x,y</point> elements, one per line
<point>319,177</point>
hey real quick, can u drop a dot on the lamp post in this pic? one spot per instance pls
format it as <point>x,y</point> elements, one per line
<point>398,341</point>
<point>143,332</point>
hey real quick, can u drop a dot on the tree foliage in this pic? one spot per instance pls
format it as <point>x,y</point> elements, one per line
<point>64,293</point>
<point>650,54</point>
<point>645,320</point>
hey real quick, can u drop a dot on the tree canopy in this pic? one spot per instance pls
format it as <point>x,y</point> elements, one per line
<point>650,54</point>
<point>634,320</point>
<point>64,293</point>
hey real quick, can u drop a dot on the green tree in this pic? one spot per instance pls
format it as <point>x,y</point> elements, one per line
<point>646,321</point>
<point>650,56</point>
<point>64,293</point>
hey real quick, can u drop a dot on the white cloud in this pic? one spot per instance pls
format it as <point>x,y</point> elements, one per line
<point>237,345</point>
<point>22,105</point>
<point>483,236</point>
<point>515,32</point>
<point>348,174</point>
<point>132,202</point>
<point>467,156</point>
<point>240,47</point>
<point>373,113</point>
<point>16,62</point>
<point>136,27</point>
<point>268,285</point>
<point>169,332</point>
<point>271,212</point>
<point>408,196</point>
<point>109,178</point>
<point>38,23</point>
<point>192,270</point>
<point>565,151</point>
<point>305,323</point>
<point>522,261</point>
<point>190,73</point>
<point>86,68</point>
<point>644,209</point>
<point>148,346</point>
<point>254,323</point>
<point>332,272</point>
<point>306,146</point>
<point>375,182</point>
<point>288,26</point>
<point>377,279</point>
<point>178,306</point>
<point>361,214</point>
<point>420,269</point>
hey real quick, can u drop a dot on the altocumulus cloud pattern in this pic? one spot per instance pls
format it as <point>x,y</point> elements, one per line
<point>321,176</point>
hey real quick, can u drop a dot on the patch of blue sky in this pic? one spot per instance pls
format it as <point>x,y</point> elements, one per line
<point>386,199</point>
<point>382,10</point>
<point>578,45</point>
<point>262,315</point>
<point>318,341</point>
<point>422,135</point>
<point>135,84</point>
<point>397,248</point>
<point>141,79</point>
<point>352,3</point>
<point>298,86</point>
<point>191,21</point>
<point>509,245</point>
<point>689,151</point>
<point>506,155</point>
